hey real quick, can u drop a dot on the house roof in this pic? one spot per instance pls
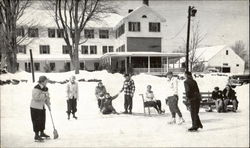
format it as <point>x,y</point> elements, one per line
<point>205,53</point>
<point>34,17</point>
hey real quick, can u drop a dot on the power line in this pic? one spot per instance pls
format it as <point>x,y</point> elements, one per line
<point>178,32</point>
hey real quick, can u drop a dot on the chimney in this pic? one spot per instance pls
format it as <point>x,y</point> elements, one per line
<point>145,2</point>
<point>130,10</point>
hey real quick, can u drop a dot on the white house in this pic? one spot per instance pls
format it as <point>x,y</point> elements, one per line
<point>220,57</point>
<point>111,42</point>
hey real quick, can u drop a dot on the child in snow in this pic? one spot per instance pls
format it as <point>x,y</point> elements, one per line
<point>72,97</point>
<point>218,99</point>
<point>151,101</point>
<point>229,96</point>
<point>40,97</point>
<point>106,106</point>
<point>100,90</point>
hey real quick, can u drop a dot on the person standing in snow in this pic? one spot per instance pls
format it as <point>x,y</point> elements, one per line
<point>193,97</point>
<point>40,97</point>
<point>72,97</point>
<point>100,90</point>
<point>172,100</point>
<point>129,90</point>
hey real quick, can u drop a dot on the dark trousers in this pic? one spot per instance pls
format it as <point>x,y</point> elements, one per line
<point>108,110</point>
<point>38,117</point>
<point>128,103</point>
<point>173,106</point>
<point>99,101</point>
<point>194,110</point>
<point>71,106</point>
<point>156,104</point>
<point>234,102</point>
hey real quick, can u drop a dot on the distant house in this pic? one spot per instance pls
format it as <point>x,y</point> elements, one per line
<point>134,41</point>
<point>222,58</point>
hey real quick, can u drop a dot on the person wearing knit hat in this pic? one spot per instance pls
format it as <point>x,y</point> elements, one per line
<point>40,97</point>
<point>218,99</point>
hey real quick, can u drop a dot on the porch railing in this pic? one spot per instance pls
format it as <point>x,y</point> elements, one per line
<point>157,70</point>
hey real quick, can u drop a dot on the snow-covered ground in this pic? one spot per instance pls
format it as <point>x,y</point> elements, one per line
<point>95,130</point>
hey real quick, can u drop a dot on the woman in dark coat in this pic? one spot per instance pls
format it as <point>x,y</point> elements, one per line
<point>193,96</point>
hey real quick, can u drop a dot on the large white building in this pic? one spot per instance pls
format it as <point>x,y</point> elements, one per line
<point>221,57</point>
<point>118,42</point>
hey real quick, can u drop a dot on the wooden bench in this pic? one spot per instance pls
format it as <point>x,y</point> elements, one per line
<point>206,100</point>
<point>145,106</point>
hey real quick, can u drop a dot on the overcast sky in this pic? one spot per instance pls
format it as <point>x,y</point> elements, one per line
<point>224,22</point>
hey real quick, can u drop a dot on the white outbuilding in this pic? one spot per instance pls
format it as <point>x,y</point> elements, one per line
<point>222,58</point>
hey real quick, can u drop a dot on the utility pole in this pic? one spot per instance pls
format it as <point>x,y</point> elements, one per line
<point>32,66</point>
<point>191,12</point>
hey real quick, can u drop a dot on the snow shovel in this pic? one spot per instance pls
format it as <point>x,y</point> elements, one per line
<point>55,131</point>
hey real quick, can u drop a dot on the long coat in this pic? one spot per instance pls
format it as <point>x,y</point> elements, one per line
<point>192,90</point>
<point>39,97</point>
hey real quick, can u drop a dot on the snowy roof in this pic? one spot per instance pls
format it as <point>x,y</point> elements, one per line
<point>138,9</point>
<point>206,53</point>
<point>46,19</point>
<point>151,54</point>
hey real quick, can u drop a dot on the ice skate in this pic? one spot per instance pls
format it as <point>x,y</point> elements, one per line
<point>172,121</point>
<point>38,139</point>
<point>181,120</point>
<point>43,135</point>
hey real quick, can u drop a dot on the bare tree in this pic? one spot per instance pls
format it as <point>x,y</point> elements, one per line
<point>195,40</point>
<point>10,12</point>
<point>239,48</point>
<point>72,17</point>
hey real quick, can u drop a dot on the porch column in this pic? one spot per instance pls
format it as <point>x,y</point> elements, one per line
<point>126,65</point>
<point>110,60</point>
<point>148,64</point>
<point>179,63</point>
<point>167,64</point>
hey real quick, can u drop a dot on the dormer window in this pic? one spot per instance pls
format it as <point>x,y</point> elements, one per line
<point>144,16</point>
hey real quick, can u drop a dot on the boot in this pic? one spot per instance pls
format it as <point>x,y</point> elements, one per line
<point>68,116</point>
<point>181,120</point>
<point>74,116</point>
<point>38,138</point>
<point>172,121</point>
<point>42,134</point>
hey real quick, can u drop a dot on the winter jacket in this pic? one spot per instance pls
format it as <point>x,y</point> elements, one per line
<point>150,96</point>
<point>129,87</point>
<point>192,89</point>
<point>231,95</point>
<point>217,95</point>
<point>72,90</point>
<point>107,102</point>
<point>173,86</point>
<point>39,97</point>
<point>100,91</point>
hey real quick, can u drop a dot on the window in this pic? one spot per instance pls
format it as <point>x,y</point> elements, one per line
<point>93,50</point>
<point>32,32</point>
<point>21,49</point>
<point>89,33</point>
<point>144,16</point>
<point>225,64</point>
<point>81,66</point>
<point>226,52</point>
<point>154,27</point>
<point>237,65</point>
<point>134,26</point>
<point>104,49</point>
<point>73,34</point>
<point>20,31</point>
<point>51,33</point>
<point>121,49</point>
<point>85,49</point>
<point>37,66</point>
<point>66,49</point>
<point>52,66</point>
<point>103,34</point>
<point>44,49</point>
<point>60,33</point>
<point>120,31</point>
<point>111,48</point>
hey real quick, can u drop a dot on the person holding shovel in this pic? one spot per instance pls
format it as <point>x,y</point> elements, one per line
<point>40,97</point>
